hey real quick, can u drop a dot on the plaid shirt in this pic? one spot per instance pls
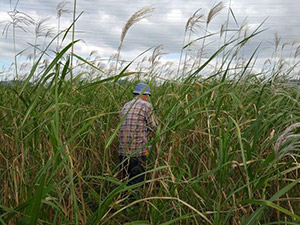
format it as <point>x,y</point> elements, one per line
<point>138,123</point>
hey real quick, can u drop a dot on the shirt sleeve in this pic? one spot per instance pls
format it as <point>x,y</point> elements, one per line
<point>151,118</point>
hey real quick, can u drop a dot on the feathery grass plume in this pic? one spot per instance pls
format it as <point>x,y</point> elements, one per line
<point>49,34</point>
<point>213,12</point>
<point>193,23</point>
<point>295,42</point>
<point>276,44</point>
<point>19,20</point>
<point>41,28</point>
<point>136,17</point>
<point>93,52</point>
<point>224,27</point>
<point>285,136</point>
<point>294,62</point>
<point>285,44</point>
<point>155,56</point>
<point>60,10</point>
<point>267,63</point>
<point>291,58</point>
<point>277,40</point>
<point>156,65</point>
<point>297,52</point>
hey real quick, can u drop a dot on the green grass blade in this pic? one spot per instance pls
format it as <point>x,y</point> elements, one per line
<point>274,206</point>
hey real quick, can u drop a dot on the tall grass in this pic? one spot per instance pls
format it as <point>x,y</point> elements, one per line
<point>18,20</point>
<point>219,155</point>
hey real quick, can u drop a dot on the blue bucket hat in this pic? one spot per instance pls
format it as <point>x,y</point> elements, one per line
<point>142,87</point>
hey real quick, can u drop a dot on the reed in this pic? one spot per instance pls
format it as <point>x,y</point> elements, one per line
<point>136,17</point>
<point>225,151</point>
<point>18,20</point>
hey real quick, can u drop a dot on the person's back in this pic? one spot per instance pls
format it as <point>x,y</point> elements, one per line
<point>136,127</point>
<point>137,123</point>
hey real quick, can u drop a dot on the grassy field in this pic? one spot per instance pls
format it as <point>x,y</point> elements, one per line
<point>213,158</point>
<point>225,151</point>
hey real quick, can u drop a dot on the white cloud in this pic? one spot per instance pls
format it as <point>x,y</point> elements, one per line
<point>146,22</point>
<point>4,16</point>
<point>101,24</point>
<point>103,17</point>
<point>83,49</point>
<point>175,15</point>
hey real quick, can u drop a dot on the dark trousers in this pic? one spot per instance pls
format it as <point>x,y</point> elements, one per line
<point>131,167</point>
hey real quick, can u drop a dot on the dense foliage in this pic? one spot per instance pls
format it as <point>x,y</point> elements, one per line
<point>212,159</point>
<point>225,151</point>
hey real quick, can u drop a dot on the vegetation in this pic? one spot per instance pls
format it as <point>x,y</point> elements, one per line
<point>225,151</point>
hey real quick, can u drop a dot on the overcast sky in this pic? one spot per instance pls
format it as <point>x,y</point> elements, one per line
<point>101,24</point>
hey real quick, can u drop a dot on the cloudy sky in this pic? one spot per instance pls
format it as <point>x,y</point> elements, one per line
<point>101,24</point>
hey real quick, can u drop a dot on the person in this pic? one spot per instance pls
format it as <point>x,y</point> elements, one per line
<point>138,122</point>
